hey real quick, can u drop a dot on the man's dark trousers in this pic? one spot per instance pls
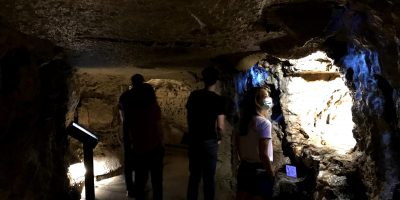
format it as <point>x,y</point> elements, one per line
<point>153,163</point>
<point>202,164</point>
<point>128,166</point>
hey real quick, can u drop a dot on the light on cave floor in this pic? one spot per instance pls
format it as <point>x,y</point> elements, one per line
<point>76,172</point>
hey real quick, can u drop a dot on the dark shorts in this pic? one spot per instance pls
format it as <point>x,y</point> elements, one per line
<point>253,179</point>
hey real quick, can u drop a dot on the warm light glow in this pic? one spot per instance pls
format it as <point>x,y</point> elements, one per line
<point>76,173</point>
<point>100,167</point>
<point>317,61</point>
<point>323,108</point>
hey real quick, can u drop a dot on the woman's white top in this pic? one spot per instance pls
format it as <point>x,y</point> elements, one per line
<point>259,128</point>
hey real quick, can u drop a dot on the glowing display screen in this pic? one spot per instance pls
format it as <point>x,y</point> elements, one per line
<point>291,171</point>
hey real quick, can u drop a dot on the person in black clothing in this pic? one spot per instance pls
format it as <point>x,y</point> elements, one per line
<point>146,136</point>
<point>205,116</point>
<point>126,104</point>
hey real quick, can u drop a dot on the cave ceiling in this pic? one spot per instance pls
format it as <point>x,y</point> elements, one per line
<point>144,32</point>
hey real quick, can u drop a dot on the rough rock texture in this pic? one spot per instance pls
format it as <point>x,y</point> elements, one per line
<point>34,96</point>
<point>318,137</point>
<point>140,31</point>
<point>129,32</point>
<point>374,27</point>
<point>313,127</point>
<point>172,96</point>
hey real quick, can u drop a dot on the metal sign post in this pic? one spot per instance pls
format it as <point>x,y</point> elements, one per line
<point>89,141</point>
<point>89,175</point>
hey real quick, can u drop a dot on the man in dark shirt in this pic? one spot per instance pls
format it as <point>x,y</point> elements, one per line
<point>206,116</point>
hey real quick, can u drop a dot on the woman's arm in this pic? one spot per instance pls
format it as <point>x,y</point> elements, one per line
<point>263,153</point>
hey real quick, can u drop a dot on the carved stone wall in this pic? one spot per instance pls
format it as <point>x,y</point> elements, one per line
<point>34,93</point>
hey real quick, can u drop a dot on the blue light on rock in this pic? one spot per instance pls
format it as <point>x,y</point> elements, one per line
<point>255,76</point>
<point>365,65</point>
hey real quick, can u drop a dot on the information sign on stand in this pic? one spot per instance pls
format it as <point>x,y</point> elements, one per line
<point>89,141</point>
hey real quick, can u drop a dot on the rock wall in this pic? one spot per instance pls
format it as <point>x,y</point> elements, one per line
<point>34,92</point>
<point>317,128</point>
<point>368,67</point>
<point>172,96</point>
<point>374,31</point>
<point>312,125</point>
<point>316,106</point>
<point>357,29</point>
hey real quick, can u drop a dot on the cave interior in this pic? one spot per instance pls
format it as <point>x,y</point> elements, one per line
<point>332,68</point>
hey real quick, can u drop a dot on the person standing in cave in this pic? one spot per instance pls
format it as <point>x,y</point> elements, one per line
<point>144,150</point>
<point>205,116</point>
<point>255,176</point>
<point>147,139</point>
<point>126,104</point>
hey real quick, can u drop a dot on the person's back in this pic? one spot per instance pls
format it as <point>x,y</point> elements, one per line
<point>144,126</point>
<point>205,115</point>
<point>126,109</point>
<point>127,102</point>
<point>143,122</point>
<point>203,107</point>
<point>128,99</point>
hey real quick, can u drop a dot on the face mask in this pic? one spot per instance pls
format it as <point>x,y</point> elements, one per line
<point>267,103</point>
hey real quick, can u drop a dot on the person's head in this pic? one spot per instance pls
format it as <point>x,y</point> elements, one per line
<point>210,76</point>
<point>256,102</point>
<point>262,101</point>
<point>137,79</point>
